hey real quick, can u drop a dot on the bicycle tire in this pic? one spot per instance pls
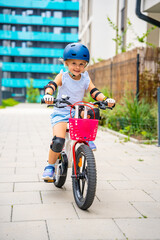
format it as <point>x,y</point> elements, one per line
<point>84,197</point>
<point>60,177</point>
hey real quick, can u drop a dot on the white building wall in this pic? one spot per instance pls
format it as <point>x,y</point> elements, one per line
<point>139,26</point>
<point>97,34</point>
<point>102,45</point>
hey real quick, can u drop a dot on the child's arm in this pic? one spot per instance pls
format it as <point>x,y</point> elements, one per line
<point>51,87</point>
<point>98,96</point>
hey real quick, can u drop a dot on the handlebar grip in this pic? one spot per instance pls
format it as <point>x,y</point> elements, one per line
<point>42,101</point>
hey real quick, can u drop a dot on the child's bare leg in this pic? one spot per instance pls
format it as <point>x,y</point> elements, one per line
<point>59,130</point>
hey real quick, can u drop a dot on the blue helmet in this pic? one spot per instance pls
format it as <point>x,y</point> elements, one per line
<point>76,51</point>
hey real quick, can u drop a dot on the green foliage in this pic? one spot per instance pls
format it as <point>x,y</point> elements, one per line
<point>10,102</point>
<point>119,37</point>
<point>32,93</point>
<point>131,117</point>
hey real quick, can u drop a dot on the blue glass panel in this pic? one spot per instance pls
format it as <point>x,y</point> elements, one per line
<point>31,67</point>
<point>40,4</point>
<point>32,52</point>
<point>38,36</point>
<point>20,83</point>
<point>38,20</point>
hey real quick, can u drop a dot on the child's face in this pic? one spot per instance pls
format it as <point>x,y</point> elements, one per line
<point>76,66</point>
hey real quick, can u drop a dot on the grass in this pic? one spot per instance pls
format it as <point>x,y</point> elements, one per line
<point>10,102</point>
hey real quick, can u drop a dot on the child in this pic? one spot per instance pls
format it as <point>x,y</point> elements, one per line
<point>72,83</point>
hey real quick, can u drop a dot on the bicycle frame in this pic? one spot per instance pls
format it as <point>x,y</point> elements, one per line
<point>70,145</point>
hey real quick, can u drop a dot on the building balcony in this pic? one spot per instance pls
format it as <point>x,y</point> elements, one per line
<point>38,4</point>
<point>38,20</point>
<point>38,36</point>
<point>31,52</point>
<point>21,82</point>
<point>31,67</point>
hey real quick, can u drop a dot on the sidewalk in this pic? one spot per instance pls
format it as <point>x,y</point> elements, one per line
<point>127,202</point>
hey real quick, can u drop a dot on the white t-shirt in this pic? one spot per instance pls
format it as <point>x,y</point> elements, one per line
<point>74,89</point>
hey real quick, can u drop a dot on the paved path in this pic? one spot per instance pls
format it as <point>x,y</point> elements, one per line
<point>127,203</point>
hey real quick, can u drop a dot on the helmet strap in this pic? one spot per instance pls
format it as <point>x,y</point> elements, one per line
<point>71,74</point>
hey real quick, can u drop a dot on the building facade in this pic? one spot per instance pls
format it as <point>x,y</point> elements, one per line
<point>33,34</point>
<point>97,33</point>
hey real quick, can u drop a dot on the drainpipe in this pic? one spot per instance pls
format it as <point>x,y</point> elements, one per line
<point>144,17</point>
<point>137,84</point>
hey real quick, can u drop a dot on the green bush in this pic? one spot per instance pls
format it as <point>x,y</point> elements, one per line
<point>8,103</point>
<point>32,93</point>
<point>134,118</point>
<point>131,117</point>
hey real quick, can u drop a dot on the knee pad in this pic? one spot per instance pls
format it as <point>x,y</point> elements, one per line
<point>91,113</point>
<point>57,144</point>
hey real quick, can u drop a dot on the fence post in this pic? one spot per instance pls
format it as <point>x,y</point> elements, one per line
<point>137,90</point>
<point>158,98</point>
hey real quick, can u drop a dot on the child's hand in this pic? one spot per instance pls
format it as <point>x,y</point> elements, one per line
<point>49,99</point>
<point>111,102</point>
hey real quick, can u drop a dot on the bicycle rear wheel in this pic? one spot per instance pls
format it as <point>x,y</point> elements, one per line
<point>84,186</point>
<point>61,170</point>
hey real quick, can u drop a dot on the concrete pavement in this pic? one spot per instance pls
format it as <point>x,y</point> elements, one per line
<point>127,202</point>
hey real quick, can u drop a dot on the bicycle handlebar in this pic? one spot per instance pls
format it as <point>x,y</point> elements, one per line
<point>102,105</point>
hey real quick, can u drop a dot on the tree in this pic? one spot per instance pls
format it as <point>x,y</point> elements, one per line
<point>32,93</point>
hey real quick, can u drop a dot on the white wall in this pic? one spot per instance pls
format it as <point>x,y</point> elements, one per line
<point>102,45</point>
<point>139,26</point>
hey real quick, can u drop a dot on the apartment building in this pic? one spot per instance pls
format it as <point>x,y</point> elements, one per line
<point>33,34</point>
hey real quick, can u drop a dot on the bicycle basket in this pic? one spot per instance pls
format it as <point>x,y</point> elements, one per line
<point>83,129</point>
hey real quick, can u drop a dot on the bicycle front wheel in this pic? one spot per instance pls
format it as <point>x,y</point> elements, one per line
<point>84,186</point>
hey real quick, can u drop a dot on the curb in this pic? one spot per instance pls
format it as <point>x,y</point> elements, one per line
<point>122,136</point>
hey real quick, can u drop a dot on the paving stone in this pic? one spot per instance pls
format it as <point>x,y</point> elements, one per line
<point>5,214</point>
<point>143,229</point>
<point>19,178</point>
<point>6,187</point>
<point>105,210</point>
<point>23,230</point>
<point>29,170</point>
<point>148,209</point>
<point>34,212</point>
<point>154,193</point>
<point>123,195</point>
<point>6,171</point>
<point>57,196</point>
<point>129,184</point>
<point>35,186</point>
<point>19,198</point>
<point>84,229</point>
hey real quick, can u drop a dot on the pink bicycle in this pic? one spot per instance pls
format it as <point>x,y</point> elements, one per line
<point>77,153</point>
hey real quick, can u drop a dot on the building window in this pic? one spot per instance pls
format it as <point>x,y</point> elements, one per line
<point>13,12</point>
<point>58,30</point>
<point>6,43</point>
<point>24,13</point>
<point>57,14</point>
<point>29,12</point>
<point>73,30</point>
<point>13,44</point>
<point>6,11</point>
<point>48,13</point>
<point>23,44</point>
<point>24,29</point>
<point>43,14</point>
<point>13,28</point>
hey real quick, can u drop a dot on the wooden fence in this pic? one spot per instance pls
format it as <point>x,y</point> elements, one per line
<point>125,74</point>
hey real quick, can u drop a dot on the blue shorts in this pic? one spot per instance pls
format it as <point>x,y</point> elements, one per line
<point>58,116</point>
